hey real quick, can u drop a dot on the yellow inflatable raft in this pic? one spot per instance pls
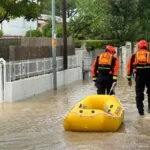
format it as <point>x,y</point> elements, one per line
<point>95,113</point>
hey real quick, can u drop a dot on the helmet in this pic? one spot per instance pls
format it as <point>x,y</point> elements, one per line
<point>142,44</point>
<point>110,49</point>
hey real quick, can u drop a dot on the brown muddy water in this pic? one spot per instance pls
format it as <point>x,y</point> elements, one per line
<point>36,123</point>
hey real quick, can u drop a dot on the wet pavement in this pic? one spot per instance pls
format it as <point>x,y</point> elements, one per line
<point>36,123</point>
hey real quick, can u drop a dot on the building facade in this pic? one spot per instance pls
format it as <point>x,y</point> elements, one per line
<point>17,27</point>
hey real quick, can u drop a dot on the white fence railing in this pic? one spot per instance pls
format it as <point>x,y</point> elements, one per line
<point>16,70</point>
<point>2,79</point>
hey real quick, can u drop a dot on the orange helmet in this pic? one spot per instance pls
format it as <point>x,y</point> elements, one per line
<point>142,44</point>
<point>111,49</point>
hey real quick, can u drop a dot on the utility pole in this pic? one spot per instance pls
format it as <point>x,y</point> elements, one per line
<point>65,58</point>
<point>54,46</point>
<point>30,32</point>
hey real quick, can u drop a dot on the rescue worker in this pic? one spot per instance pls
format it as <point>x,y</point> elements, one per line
<point>105,70</point>
<point>139,63</point>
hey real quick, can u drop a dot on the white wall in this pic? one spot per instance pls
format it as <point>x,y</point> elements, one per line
<point>1,84</point>
<point>24,88</point>
<point>17,27</point>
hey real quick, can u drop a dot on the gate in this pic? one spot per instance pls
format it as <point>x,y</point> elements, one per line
<point>86,67</point>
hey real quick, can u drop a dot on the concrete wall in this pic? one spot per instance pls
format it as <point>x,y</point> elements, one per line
<point>21,89</point>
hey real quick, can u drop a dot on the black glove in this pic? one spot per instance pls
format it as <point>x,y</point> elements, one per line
<point>129,80</point>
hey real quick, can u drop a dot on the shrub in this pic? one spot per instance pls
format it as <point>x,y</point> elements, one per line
<point>1,33</point>
<point>34,33</point>
<point>94,44</point>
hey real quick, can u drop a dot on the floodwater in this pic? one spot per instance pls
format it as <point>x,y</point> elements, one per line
<point>36,123</point>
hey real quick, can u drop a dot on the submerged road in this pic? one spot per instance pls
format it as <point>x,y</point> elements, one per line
<point>36,123</point>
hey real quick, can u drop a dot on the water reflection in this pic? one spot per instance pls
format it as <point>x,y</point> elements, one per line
<point>36,123</point>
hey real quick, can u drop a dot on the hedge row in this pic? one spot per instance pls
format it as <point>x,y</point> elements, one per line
<point>94,44</point>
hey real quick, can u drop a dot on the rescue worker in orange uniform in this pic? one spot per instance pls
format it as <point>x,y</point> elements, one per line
<point>139,63</point>
<point>105,70</point>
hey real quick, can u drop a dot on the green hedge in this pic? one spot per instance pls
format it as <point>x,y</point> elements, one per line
<point>94,44</point>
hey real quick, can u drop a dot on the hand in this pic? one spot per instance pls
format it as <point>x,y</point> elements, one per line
<point>130,83</point>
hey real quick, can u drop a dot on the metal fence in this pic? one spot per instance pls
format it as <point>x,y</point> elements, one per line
<point>16,70</point>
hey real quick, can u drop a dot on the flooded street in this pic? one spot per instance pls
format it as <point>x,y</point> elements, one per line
<point>36,123</point>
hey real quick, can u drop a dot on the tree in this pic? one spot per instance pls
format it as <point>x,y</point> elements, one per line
<point>70,8</point>
<point>19,8</point>
<point>47,30</point>
<point>108,19</point>
<point>122,17</point>
<point>81,27</point>
<point>144,19</point>
<point>89,23</point>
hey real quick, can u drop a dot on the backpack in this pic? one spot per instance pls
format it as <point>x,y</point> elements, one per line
<point>105,59</point>
<point>142,57</point>
<point>105,62</point>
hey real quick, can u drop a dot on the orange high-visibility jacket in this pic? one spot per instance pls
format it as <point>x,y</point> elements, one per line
<point>138,60</point>
<point>105,61</point>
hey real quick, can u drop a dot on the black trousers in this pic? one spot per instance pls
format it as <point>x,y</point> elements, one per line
<point>104,89</point>
<point>142,80</point>
<point>104,83</point>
